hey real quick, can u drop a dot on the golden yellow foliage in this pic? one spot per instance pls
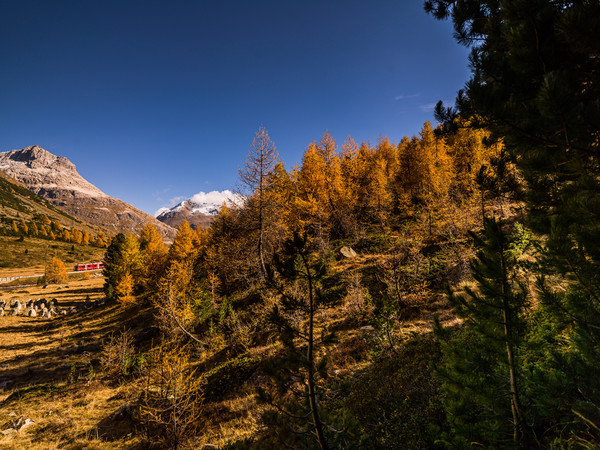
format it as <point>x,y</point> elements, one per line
<point>182,247</point>
<point>172,399</point>
<point>56,271</point>
<point>124,289</point>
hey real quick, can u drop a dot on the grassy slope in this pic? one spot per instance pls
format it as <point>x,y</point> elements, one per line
<point>27,257</point>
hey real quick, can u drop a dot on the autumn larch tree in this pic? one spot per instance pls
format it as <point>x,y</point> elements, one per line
<point>154,256</point>
<point>261,161</point>
<point>56,272</point>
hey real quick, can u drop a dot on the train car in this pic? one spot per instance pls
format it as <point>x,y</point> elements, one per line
<point>89,266</point>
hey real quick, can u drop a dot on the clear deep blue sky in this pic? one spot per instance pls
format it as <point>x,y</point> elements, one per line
<point>155,100</point>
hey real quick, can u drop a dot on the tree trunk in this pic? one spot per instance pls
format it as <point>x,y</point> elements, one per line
<point>508,337</point>
<point>312,395</point>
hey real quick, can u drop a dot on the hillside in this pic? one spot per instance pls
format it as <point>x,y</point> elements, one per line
<point>52,375</point>
<point>79,377</point>
<point>345,308</point>
<point>28,256</point>
<point>56,179</point>
<point>17,202</point>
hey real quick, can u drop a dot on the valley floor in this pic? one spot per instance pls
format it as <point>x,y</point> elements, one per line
<point>48,374</point>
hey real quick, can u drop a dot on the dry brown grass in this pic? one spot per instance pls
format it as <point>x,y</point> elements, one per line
<point>54,364</point>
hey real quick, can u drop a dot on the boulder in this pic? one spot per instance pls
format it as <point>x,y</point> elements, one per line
<point>16,304</point>
<point>41,302</point>
<point>348,252</point>
<point>21,423</point>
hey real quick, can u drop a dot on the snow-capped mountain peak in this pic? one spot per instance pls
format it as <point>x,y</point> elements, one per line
<point>198,209</point>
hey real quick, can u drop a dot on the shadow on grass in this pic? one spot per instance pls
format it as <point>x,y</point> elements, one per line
<point>74,350</point>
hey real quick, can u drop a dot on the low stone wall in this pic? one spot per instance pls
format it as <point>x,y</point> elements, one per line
<point>7,279</point>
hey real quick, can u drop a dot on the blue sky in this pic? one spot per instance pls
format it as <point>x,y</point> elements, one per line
<point>156,100</point>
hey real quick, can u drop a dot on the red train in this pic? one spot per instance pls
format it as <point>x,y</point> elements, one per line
<point>90,266</point>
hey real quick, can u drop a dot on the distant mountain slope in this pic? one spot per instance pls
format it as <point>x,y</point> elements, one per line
<point>199,210</point>
<point>18,202</point>
<point>56,179</point>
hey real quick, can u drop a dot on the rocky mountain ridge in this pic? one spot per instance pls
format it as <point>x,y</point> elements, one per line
<point>56,179</point>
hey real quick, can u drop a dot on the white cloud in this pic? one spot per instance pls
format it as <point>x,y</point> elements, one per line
<point>172,202</point>
<point>213,197</point>
<point>403,97</point>
<point>175,201</point>
<point>429,107</point>
<point>211,202</point>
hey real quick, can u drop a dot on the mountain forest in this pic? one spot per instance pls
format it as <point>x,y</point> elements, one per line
<point>438,292</point>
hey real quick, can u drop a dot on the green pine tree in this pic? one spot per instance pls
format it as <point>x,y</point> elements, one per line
<point>295,391</point>
<point>480,372</point>
<point>112,264</point>
<point>535,85</point>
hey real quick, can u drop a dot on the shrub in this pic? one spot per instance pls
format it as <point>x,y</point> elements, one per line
<point>172,398</point>
<point>118,355</point>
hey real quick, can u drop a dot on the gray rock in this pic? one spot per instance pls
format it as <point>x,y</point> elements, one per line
<point>16,304</point>
<point>348,252</point>
<point>41,303</point>
<point>26,423</point>
<point>21,423</point>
